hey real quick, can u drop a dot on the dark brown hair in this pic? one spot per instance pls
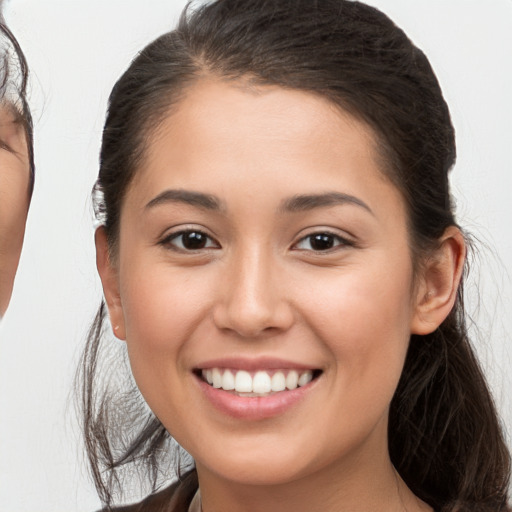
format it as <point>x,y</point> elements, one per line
<point>444,434</point>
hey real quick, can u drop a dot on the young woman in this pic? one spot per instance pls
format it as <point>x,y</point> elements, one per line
<point>16,159</point>
<point>279,253</point>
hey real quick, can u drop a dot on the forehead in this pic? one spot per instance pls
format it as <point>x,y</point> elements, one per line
<point>260,136</point>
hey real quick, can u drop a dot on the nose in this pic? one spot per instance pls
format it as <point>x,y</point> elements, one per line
<point>253,297</point>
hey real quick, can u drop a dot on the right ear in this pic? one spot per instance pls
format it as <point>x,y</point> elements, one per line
<point>110,281</point>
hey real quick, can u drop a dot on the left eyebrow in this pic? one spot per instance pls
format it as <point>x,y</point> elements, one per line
<point>198,199</point>
<point>307,202</point>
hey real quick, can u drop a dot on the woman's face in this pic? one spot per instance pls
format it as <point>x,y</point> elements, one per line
<point>259,244</point>
<point>14,198</point>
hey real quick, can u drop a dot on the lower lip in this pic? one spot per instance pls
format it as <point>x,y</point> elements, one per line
<point>255,408</point>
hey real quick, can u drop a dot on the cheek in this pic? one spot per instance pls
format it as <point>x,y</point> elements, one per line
<point>163,307</point>
<point>158,319</point>
<point>159,302</point>
<point>14,200</point>
<point>363,315</point>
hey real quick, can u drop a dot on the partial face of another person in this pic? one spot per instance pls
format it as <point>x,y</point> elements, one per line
<point>264,284</point>
<point>14,198</point>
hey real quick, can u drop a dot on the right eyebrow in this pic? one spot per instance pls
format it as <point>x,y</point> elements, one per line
<point>204,201</point>
<point>301,203</point>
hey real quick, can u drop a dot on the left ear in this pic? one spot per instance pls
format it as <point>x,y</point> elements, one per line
<point>439,282</point>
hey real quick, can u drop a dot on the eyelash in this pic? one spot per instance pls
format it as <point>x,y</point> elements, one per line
<point>336,241</point>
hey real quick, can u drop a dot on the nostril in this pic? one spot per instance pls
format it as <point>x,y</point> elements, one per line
<point>251,319</point>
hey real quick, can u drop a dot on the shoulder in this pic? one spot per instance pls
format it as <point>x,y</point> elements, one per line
<point>175,498</point>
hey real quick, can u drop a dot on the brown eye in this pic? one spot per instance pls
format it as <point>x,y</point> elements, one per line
<point>319,242</point>
<point>190,240</point>
<point>193,240</point>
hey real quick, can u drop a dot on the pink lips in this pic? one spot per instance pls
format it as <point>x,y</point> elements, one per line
<point>252,408</point>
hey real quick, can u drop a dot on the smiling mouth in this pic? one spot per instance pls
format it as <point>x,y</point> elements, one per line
<point>258,383</point>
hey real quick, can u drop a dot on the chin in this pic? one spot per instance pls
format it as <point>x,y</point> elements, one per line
<point>264,465</point>
<point>260,473</point>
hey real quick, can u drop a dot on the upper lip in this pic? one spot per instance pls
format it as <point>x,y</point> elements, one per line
<point>253,364</point>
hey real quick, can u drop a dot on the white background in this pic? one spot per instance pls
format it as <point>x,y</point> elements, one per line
<point>76,49</point>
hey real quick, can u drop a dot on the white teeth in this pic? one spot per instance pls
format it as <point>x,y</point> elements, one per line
<point>305,377</point>
<point>292,379</point>
<point>243,382</point>
<point>228,381</point>
<point>217,378</point>
<point>261,383</point>
<point>278,381</point>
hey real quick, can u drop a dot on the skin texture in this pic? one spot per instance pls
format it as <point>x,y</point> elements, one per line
<point>259,289</point>
<point>14,199</point>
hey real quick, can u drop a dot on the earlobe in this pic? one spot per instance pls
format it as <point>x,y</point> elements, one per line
<point>110,282</point>
<point>439,282</point>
